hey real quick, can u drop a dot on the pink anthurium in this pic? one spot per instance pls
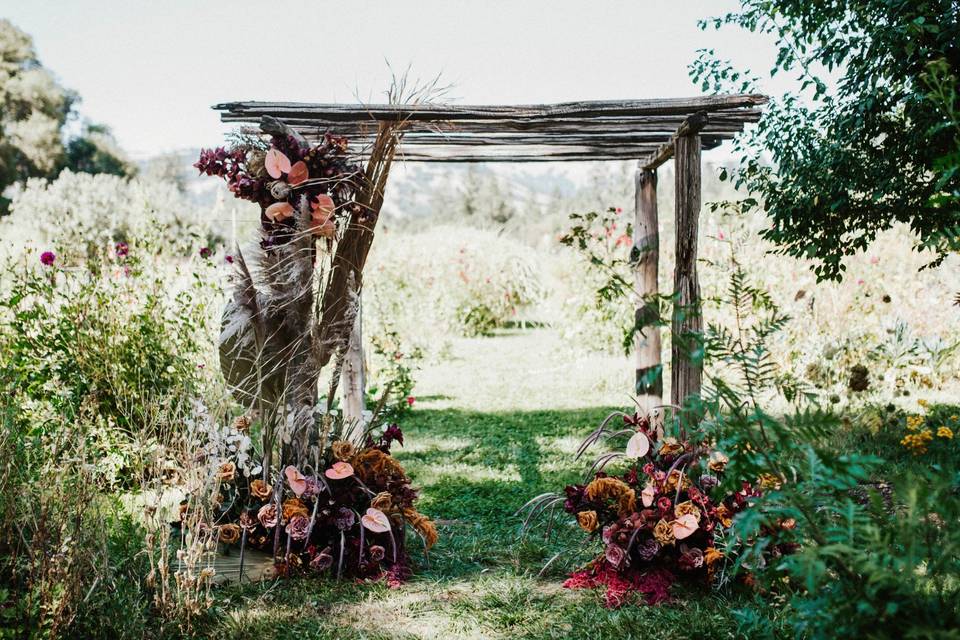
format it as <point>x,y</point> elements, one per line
<point>298,173</point>
<point>279,211</point>
<point>296,480</point>
<point>376,521</point>
<point>339,471</point>
<point>323,208</point>
<point>638,445</point>
<point>276,163</point>
<point>684,526</point>
<point>325,228</point>
<point>647,495</point>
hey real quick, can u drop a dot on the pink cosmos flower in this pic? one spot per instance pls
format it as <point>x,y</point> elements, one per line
<point>276,163</point>
<point>339,471</point>
<point>376,521</point>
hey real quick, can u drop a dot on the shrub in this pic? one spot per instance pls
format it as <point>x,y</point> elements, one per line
<point>877,555</point>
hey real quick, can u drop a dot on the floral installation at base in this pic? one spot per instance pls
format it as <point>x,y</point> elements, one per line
<point>345,516</point>
<point>327,494</point>
<point>664,519</point>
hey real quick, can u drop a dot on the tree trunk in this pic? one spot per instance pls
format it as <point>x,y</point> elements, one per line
<point>352,382</point>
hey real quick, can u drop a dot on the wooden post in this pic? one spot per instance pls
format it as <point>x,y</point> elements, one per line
<point>352,383</point>
<point>686,358</point>
<point>646,247</point>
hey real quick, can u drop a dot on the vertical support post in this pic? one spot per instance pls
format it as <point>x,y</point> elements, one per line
<point>352,384</point>
<point>686,358</point>
<point>646,256</point>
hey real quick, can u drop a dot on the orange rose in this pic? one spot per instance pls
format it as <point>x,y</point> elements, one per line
<point>663,532</point>
<point>294,507</point>
<point>229,533</point>
<point>261,490</point>
<point>227,472</point>
<point>588,521</point>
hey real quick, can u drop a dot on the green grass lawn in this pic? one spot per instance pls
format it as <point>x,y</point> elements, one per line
<point>475,468</point>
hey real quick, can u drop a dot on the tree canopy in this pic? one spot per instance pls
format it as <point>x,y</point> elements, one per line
<point>34,108</point>
<point>870,138</point>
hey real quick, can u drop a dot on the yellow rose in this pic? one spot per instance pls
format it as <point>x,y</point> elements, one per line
<point>663,532</point>
<point>343,450</point>
<point>588,521</point>
<point>684,508</point>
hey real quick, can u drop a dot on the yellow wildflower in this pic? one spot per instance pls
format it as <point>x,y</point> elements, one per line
<point>917,443</point>
<point>914,423</point>
<point>945,432</point>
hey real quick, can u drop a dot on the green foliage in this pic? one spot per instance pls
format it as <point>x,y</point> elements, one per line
<point>604,243</point>
<point>876,553</point>
<point>868,141</point>
<point>108,344</point>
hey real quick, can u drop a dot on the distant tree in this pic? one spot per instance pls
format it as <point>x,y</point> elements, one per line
<point>34,108</point>
<point>867,141</point>
<point>96,151</point>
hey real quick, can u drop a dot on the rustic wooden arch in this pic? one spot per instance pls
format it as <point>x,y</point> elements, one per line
<point>651,131</point>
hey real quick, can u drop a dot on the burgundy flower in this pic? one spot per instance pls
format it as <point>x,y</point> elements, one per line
<point>690,558</point>
<point>647,549</point>
<point>322,561</point>
<point>298,527</point>
<point>615,555</point>
<point>47,258</point>
<point>228,258</point>
<point>205,252</point>
<point>121,249</point>
<point>393,433</point>
<point>708,482</point>
<point>664,505</point>
<point>377,552</point>
<point>345,519</point>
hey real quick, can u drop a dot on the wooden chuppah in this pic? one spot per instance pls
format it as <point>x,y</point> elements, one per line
<point>651,131</point>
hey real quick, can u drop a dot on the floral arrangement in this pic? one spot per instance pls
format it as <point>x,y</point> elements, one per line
<point>328,495</point>
<point>286,175</point>
<point>346,515</point>
<point>662,519</point>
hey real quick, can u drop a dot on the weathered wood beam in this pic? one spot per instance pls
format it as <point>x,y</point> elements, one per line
<point>646,253</point>
<point>694,124</point>
<point>340,112</point>
<point>686,358</point>
<point>721,120</point>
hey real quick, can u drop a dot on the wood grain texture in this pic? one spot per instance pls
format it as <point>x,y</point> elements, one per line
<point>687,324</point>
<point>573,131</point>
<point>646,247</point>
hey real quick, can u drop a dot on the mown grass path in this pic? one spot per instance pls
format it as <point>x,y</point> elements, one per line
<point>475,468</point>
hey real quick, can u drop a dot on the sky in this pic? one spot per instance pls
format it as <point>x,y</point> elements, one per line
<point>151,69</point>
